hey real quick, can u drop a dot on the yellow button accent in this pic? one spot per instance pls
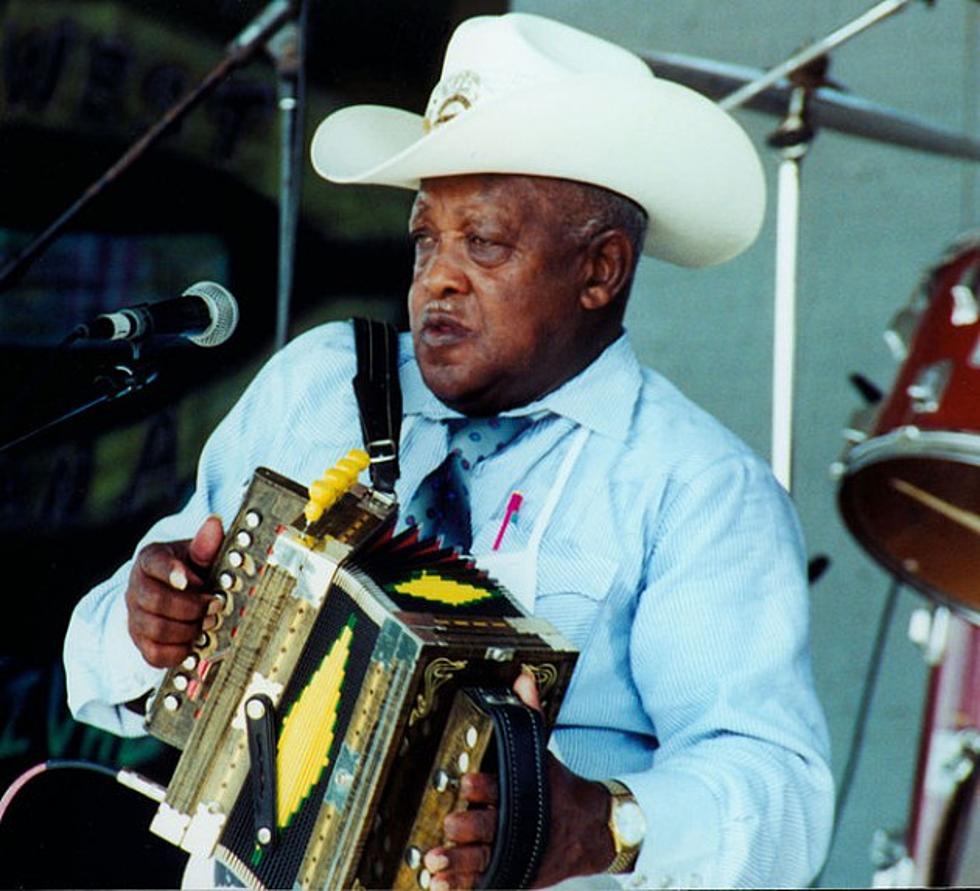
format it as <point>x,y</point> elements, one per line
<point>442,590</point>
<point>324,493</point>
<point>313,511</point>
<point>360,457</point>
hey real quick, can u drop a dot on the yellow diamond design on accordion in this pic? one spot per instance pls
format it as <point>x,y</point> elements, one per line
<point>308,730</point>
<point>429,586</point>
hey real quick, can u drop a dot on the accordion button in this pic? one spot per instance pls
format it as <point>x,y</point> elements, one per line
<point>253,519</point>
<point>471,736</point>
<point>425,879</point>
<point>180,682</point>
<point>464,762</point>
<point>171,702</point>
<point>235,559</point>
<point>243,539</point>
<point>190,662</point>
<point>413,857</point>
<point>441,780</point>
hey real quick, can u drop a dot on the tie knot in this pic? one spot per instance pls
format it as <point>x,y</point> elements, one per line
<point>473,439</point>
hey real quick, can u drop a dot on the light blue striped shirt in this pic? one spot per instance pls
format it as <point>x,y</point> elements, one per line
<point>674,563</point>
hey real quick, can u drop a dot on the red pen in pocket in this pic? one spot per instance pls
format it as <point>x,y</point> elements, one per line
<point>513,506</point>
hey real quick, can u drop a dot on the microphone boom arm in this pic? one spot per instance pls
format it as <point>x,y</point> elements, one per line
<point>240,51</point>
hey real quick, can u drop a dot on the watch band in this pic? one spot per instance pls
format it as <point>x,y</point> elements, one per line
<point>624,853</point>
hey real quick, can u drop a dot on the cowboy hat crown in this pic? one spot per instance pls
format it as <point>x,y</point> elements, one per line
<point>522,94</point>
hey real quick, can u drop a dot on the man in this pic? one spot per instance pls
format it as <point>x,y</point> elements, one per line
<point>649,535</point>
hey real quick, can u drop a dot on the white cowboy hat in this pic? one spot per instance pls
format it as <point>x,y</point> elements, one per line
<point>523,94</point>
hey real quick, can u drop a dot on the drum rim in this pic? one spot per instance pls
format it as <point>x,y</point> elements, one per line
<point>910,441</point>
<point>950,445</point>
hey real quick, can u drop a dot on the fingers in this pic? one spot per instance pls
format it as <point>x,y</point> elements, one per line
<point>164,563</point>
<point>469,835</point>
<point>458,867</point>
<point>526,688</point>
<point>471,826</point>
<point>166,600</point>
<point>157,596</point>
<point>479,788</point>
<point>206,543</point>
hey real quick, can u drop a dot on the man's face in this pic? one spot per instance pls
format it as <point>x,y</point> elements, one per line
<point>494,304</point>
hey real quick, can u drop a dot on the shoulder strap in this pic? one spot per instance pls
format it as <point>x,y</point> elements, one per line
<point>379,398</point>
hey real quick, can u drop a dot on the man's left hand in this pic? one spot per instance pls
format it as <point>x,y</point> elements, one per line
<point>579,844</point>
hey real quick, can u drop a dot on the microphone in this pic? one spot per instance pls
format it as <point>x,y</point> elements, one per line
<point>206,314</point>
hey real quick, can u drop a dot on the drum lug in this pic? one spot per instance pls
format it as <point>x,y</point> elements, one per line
<point>966,311</point>
<point>903,327</point>
<point>927,390</point>
<point>888,852</point>
<point>859,424</point>
<point>952,758</point>
<point>929,631</point>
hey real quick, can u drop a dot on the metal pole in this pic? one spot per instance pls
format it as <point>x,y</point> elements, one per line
<point>289,53</point>
<point>784,316</point>
<point>813,52</point>
<point>240,51</point>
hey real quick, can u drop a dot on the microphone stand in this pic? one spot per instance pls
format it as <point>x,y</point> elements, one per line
<point>112,384</point>
<point>288,49</point>
<point>240,51</point>
<point>793,138</point>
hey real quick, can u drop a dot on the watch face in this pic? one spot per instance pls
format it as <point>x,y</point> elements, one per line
<point>630,823</point>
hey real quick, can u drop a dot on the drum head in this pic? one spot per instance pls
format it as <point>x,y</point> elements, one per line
<point>912,499</point>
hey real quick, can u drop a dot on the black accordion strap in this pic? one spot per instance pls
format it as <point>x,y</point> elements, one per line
<point>379,398</point>
<point>524,805</point>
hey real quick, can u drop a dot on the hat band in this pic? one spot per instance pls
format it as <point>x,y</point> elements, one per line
<point>452,96</point>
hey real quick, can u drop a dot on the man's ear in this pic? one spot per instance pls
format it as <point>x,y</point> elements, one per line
<point>610,263</point>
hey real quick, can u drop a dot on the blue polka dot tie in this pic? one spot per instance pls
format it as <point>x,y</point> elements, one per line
<point>441,504</point>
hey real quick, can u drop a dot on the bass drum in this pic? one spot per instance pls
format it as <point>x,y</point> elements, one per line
<point>910,478</point>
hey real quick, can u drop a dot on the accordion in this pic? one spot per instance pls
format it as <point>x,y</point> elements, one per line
<point>353,677</point>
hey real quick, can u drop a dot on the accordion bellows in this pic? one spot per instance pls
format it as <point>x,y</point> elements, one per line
<point>325,722</point>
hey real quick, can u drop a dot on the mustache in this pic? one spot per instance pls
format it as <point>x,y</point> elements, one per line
<point>438,305</point>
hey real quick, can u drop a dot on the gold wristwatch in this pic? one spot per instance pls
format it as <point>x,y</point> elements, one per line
<point>627,826</point>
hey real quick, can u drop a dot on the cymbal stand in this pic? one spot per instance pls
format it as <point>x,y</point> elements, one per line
<point>814,51</point>
<point>793,139</point>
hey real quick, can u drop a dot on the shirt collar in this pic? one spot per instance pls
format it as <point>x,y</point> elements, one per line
<point>601,397</point>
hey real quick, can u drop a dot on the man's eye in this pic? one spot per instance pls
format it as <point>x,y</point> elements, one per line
<point>486,249</point>
<point>421,239</point>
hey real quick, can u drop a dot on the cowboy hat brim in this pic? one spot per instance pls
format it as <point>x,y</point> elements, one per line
<point>674,152</point>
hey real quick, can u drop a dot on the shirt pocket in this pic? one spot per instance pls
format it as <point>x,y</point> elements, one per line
<point>573,584</point>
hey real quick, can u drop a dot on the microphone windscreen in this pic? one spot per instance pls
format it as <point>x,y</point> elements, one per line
<point>224,313</point>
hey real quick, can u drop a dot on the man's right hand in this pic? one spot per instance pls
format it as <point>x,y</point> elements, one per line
<point>167,602</point>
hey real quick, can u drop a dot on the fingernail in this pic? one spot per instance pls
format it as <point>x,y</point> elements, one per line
<point>209,622</point>
<point>436,863</point>
<point>178,578</point>
<point>215,606</point>
<point>216,517</point>
<point>439,885</point>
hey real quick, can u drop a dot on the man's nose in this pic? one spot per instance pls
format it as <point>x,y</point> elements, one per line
<point>443,274</point>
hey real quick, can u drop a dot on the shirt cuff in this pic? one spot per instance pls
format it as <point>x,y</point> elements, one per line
<point>107,671</point>
<point>683,831</point>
